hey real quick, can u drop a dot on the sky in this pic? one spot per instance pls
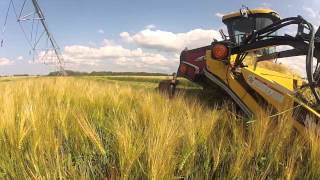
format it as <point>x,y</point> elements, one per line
<point>126,35</point>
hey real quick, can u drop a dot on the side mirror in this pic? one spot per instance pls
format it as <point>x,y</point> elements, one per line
<point>223,35</point>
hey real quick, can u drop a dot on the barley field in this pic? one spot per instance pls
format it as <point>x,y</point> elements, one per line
<point>122,128</point>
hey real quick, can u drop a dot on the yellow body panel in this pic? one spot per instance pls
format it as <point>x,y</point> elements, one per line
<point>253,11</point>
<point>276,88</point>
<point>270,89</point>
<point>283,80</point>
<point>220,70</point>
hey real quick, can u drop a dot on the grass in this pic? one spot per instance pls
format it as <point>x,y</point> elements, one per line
<point>106,128</point>
<point>149,82</point>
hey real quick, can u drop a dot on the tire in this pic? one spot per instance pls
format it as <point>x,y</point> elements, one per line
<point>172,90</point>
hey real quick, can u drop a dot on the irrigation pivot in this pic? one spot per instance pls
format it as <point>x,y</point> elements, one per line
<point>35,38</point>
<point>50,37</point>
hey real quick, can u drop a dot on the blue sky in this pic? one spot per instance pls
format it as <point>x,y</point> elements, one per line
<point>127,35</point>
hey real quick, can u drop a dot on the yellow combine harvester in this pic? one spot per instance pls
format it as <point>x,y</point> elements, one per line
<point>233,65</point>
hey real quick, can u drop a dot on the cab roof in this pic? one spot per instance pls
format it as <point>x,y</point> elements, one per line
<point>252,11</point>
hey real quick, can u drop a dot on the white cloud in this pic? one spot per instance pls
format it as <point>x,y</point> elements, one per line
<point>169,41</point>
<point>101,31</point>
<point>117,55</point>
<point>151,26</point>
<point>45,57</point>
<point>104,52</point>
<point>154,49</point>
<point>311,12</point>
<point>5,62</point>
<point>297,63</point>
<point>219,15</point>
<point>266,5</point>
<point>313,15</point>
<point>108,42</point>
<point>20,58</point>
<point>112,55</point>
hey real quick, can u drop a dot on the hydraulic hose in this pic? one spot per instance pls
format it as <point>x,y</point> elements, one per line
<point>309,63</point>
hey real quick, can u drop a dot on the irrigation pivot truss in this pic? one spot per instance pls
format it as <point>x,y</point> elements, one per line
<point>50,37</point>
<point>37,19</point>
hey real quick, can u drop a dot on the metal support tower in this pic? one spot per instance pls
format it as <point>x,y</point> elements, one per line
<point>50,37</point>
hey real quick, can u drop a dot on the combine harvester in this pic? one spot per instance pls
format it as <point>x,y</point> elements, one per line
<point>232,66</point>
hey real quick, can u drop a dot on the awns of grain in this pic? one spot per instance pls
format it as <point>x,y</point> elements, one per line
<point>68,128</point>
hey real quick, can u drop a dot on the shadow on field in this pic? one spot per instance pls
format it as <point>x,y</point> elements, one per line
<point>210,97</point>
<point>5,80</point>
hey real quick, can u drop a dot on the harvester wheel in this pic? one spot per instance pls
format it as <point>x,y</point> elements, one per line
<point>172,90</point>
<point>167,87</point>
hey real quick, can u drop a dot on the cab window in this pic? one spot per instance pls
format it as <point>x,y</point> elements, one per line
<point>240,28</point>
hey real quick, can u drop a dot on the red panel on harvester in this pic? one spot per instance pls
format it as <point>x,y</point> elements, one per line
<point>192,63</point>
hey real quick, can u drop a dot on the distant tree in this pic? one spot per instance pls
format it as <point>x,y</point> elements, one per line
<point>106,73</point>
<point>20,75</point>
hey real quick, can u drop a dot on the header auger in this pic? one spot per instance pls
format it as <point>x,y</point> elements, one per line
<point>233,65</point>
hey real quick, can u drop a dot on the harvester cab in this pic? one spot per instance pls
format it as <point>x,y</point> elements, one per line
<point>232,65</point>
<point>240,25</point>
